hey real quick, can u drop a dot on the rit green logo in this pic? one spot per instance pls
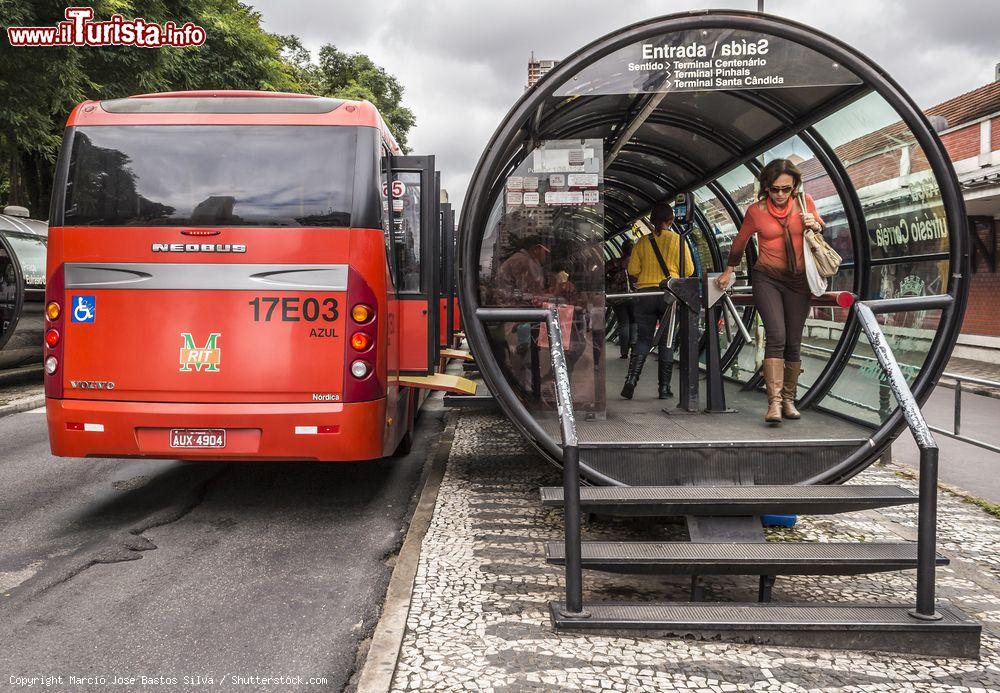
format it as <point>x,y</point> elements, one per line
<point>208,357</point>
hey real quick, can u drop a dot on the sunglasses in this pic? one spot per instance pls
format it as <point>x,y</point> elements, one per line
<point>781,189</point>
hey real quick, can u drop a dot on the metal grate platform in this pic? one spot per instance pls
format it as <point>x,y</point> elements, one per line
<point>663,501</point>
<point>846,626</point>
<point>765,558</point>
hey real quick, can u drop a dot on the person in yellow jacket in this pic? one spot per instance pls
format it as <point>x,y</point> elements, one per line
<point>647,270</point>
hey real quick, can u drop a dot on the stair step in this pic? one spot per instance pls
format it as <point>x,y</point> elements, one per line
<point>662,501</point>
<point>764,558</point>
<point>837,626</point>
<point>481,401</point>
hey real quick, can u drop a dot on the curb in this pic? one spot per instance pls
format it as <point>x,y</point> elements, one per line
<point>383,655</point>
<point>20,405</point>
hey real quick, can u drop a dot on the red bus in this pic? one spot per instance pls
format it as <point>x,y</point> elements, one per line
<point>232,275</point>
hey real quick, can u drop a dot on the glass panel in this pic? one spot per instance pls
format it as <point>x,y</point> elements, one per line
<point>859,392</point>
<point>406,220</point>
<point>720,223</point>
<point>741,185</point>
<point>544,247</point>
<point>900,196</point>
<point>211,175</point>
<point>905,279</point>
<point>862,391</point>
<point>707,59</point>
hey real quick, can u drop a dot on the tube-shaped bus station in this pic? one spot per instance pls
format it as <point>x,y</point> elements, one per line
<point>697,110</point>
<point>689,108</point>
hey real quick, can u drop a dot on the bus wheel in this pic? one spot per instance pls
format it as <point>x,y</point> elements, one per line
<point>405,445</point>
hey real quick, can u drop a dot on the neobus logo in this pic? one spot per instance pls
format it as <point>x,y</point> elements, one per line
<point>199,248</point>
<point>208,357</point>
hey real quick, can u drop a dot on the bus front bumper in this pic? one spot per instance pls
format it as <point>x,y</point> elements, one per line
<point>324,432</point>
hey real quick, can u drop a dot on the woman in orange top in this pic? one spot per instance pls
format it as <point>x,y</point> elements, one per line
<point>780,287</point>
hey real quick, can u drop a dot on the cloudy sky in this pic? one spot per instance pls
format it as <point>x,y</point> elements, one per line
<point>464,62</point>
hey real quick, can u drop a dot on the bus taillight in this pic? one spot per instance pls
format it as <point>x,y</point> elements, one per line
<point>55,294</point>
<point>360,341</point>
<point>360,369</point>
<point>362,313</point>
<point>365,378</point>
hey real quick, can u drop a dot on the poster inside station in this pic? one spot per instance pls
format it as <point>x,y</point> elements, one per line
<point>708,60</point>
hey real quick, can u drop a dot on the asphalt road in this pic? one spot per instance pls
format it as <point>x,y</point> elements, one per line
<point>961,464</point>
<point>168,569</point>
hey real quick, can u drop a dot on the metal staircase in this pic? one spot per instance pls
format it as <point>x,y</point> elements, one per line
<point>727,538</point>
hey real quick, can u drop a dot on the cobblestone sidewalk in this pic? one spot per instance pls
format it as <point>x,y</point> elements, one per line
<point>479,621</point>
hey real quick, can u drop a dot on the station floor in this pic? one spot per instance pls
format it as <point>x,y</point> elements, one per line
<point>642,418</point>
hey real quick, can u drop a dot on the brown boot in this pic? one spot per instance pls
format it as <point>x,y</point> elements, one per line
<point>788,392</point>
<point>774,373</point>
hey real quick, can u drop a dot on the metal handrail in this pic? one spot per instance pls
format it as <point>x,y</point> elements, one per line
<point>957,416</point>
<point>969,379</point>
<point>927,501</point>
<point>570,442</point>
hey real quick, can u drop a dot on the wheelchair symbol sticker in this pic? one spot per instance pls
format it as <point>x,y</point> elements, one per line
<point>84,308</point>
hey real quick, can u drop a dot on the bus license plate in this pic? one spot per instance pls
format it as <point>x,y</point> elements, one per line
<point>197,438</point>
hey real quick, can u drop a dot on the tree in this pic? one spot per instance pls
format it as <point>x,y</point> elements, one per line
<point>41,85</point>
<point>356,76</point>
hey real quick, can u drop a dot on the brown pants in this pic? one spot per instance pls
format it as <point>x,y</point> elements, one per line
<point>784,307</point>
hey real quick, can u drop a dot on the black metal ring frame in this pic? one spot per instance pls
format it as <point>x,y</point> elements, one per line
<point>515,127</point>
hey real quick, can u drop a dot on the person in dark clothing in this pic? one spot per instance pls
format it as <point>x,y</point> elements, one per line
<point>647,269</point>
<point>618,281</point>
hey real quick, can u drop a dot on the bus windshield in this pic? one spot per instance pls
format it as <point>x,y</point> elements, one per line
<point>211,175</point>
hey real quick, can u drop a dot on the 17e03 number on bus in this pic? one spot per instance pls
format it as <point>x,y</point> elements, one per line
<point>294,309</point>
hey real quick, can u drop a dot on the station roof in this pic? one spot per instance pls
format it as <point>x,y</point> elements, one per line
<point>688,140</point>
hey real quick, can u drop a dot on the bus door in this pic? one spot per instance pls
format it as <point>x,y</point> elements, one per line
<point>415,246</point>
<point>447,276</point>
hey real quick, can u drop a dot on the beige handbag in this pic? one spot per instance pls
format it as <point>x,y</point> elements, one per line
<point>827,259</point>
